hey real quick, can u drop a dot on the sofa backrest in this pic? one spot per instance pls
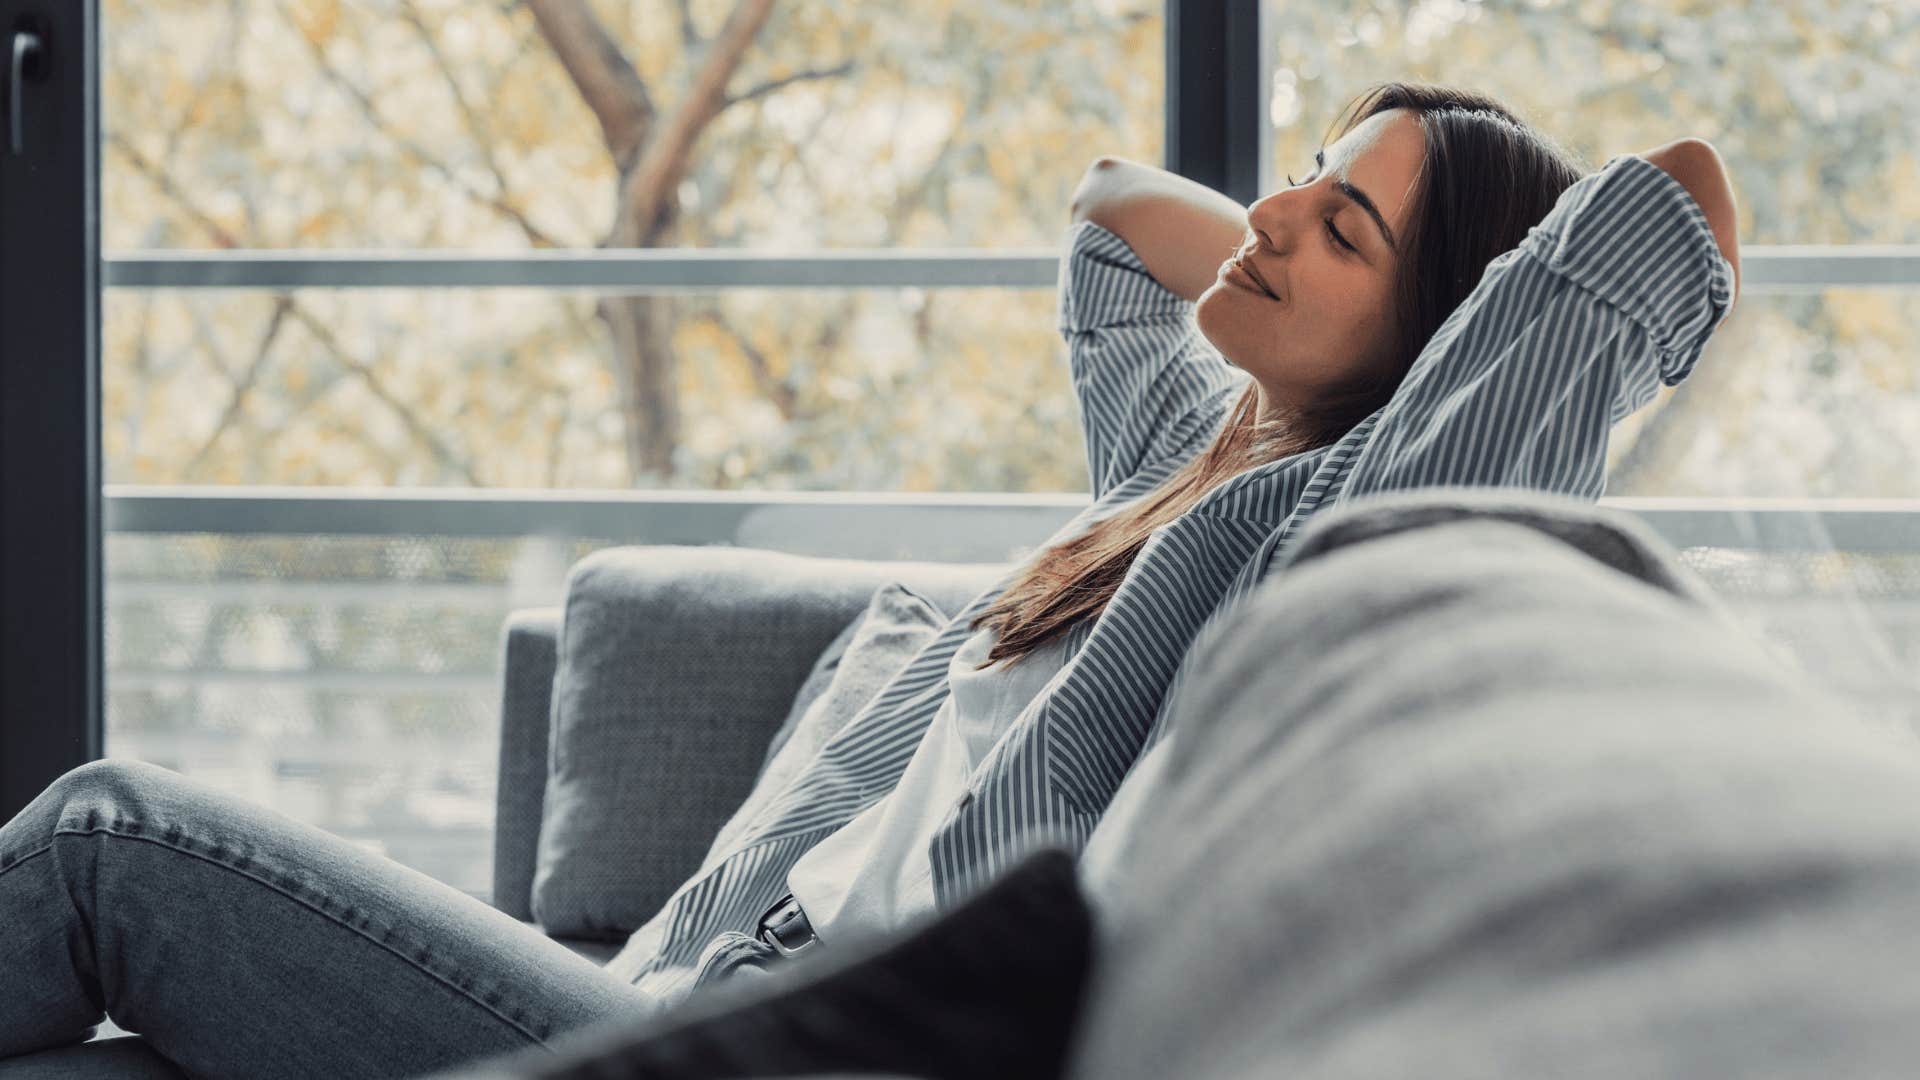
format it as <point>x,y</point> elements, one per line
<point>635,617</point>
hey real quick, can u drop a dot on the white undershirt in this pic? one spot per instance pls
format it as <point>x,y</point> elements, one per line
<point>875,874</point>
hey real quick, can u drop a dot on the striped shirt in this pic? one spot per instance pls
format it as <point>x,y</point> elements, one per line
<point>1612,294</point>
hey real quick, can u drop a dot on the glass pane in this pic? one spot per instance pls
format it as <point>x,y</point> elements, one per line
<point>1797,396</point>
<point>1809,101</point>
<point>348,682</point>
<point>895,390</point>
<point>451,124</point>
<point>352,681</point>
<point>1844,620</point>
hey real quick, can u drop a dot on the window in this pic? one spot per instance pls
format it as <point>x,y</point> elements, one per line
<point>324,125</point>
<point>406,299</point>
<point>299,199</point>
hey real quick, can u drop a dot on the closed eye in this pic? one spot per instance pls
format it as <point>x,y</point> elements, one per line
<point>1337,238</point>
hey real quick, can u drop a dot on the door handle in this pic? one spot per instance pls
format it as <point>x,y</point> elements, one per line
<point>29,53</point>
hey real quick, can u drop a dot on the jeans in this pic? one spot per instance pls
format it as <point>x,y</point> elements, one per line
<point>238,942</point>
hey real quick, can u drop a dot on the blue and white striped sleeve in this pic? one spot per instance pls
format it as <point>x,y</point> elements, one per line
<point>1148,383</point>
<point>1614,292</point>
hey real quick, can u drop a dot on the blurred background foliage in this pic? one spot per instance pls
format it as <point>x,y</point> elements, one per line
<point>808,124</point>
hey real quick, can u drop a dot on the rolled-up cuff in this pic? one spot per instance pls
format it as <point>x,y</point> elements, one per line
<point>1104,284</point>
<point>1632,235</point>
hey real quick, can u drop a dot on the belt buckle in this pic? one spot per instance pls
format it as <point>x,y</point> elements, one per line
<point>787,917</point>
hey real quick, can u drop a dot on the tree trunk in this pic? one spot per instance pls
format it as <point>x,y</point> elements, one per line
<point>645,368</point>
<point>652,150</point>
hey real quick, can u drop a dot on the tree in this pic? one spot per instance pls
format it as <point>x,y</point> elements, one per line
<point>443,123</point>
<point>766,123</point>
<point>653,149</point>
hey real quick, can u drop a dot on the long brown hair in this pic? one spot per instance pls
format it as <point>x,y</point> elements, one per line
<point>1485,179</point>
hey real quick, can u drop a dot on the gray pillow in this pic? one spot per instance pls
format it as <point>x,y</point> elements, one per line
<point>817,680</point>
<point>896,625</point>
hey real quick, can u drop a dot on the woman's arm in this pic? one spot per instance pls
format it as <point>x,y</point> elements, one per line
<point>1181,230</point>
<point>1148,384</point>
<point>1612,294</point>
<point>1698,168</point>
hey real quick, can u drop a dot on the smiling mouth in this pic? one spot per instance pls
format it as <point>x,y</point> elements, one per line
<point>1254,276</point>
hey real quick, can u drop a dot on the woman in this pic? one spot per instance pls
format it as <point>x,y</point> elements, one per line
<point>1348,342</point>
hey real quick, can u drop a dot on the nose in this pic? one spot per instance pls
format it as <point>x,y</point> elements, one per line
<point>1274,219</point>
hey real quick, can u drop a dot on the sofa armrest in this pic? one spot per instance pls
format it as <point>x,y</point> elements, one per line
<point>528,644</point>
<point>674,666</point>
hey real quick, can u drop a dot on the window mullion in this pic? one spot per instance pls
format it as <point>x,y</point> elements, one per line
<point>1217,75</point>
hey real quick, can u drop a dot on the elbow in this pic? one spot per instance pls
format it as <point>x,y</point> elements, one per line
<point>1095,188</point>
<point>1697,166</point>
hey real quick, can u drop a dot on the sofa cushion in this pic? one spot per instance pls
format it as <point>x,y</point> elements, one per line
<point>1460,799</point>
<point>896,625</point>
<point>674,665</point>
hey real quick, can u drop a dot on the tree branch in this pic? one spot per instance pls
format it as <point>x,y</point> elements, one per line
<point>556,440</point>
<point>164,181</point>
<point>772,85</point>
<point>689,34</point>
<point>243,385</point>
<point>778,390</point>
<point>321,332</point>
<point>911,197</point>
<point>645,190</point>
<point>420,153</point>
<point>600,71</point>
<point>435,445</point>
<point>477,129</point>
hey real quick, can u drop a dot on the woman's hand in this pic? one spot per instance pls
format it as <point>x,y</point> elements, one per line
<point>1698,168</point>
<point>1181,230</point>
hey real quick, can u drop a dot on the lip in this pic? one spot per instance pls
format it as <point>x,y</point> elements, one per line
<point>1247,277</point>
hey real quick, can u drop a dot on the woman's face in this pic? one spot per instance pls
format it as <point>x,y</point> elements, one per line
<point>1331,305</point>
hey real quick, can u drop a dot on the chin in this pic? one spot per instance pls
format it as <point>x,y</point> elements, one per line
<point>1213,314</point>
<point>1214,322</point>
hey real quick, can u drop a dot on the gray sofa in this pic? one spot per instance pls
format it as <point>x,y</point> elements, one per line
<point>1477,785</point>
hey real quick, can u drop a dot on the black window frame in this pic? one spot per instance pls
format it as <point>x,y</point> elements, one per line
<point>50,654</point>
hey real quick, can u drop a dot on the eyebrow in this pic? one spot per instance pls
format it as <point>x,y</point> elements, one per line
<point>1360,198</point>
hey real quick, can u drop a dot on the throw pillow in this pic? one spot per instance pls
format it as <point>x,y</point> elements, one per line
<point>896,625</point>
<point>988,990</point>
<point>818,678</point>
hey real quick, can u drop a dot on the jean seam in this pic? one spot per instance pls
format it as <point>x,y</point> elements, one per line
<point>303,902</point>
<point>35,854</point>
<point>42,850</point>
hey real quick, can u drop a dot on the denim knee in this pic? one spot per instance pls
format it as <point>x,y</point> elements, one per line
<point>98,794</point>
<point>82,799</point>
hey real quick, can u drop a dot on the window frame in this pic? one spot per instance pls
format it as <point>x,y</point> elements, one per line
<point>1218,69</point>
<point>50,498</point>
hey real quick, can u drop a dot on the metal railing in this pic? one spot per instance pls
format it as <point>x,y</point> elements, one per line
<point>901,525</point>
<point>1764,269</point>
